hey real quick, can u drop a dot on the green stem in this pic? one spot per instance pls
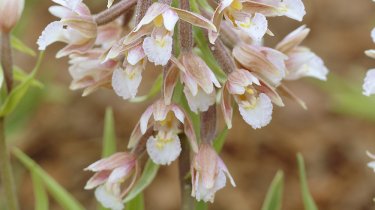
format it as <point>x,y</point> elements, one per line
<point>6,171</point>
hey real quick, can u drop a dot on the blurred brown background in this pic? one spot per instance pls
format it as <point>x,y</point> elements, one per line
<point>63,131</point>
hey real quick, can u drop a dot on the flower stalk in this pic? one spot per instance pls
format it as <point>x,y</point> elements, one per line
<point>5,164</point>
<point>187,201</point>
<point>113,12</point>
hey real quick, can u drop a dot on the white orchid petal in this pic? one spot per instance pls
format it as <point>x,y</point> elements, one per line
<point>158,50</point>
<point>260,115</point>
<point>108,199</point>
<point>170,19</point>
<point>54,32</point>
<point>126,83</point>
<point>201,101</point>
<point>163,150</point>
<point>256,27</point>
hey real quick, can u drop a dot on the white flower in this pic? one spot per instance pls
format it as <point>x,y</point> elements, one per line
<point>10,13</point>
<point>255,27</point>
<point>201,101</point>
<point>372,163</point>
<point>304,63</point>
<point>109,198</point>
<point>164,148</point>
<point>257,113</point>
<point>125,83</point>
<point>369,84</point>
<point>158,49</point>
<point>294,9</point>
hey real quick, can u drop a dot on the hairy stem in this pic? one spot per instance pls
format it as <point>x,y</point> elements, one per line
<point>222,56</point>
<point>186,32</point>
<point>113,12</point>
<point>7,60</point>
<point>5,165</point>
<point>140,11</point>
<point>187,201</point>
<point>208,125</point>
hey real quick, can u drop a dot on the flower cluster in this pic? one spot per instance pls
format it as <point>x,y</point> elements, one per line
<point>114,55</point>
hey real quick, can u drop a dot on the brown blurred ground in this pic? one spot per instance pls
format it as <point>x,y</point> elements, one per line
<point>64,137</point>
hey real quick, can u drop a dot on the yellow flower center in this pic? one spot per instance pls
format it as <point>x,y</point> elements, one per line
<point>237,5</point>
<point>158,21</point>
<point>162,141</point>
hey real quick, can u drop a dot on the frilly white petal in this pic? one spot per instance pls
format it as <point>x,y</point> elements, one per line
<point>163,151</point>
<point>125,84</point>
<point>158,50</point>
<point>135,55</point>
<point>255,27</point>
<point>373,35</point>
<point>261,114</point>
<point>201,101</point>
<point>369,84</point>
<point>108,199</point>
<point>54,32</point>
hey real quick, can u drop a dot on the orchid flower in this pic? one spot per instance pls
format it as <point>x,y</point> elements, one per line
<point>253,96</point>
<point>301,61</point>
<point>250,16</point>
<point>76,28</point>
<point>165,146</point>
<point>110,174</point>
<point>158,24</point>
<point>208,174</point>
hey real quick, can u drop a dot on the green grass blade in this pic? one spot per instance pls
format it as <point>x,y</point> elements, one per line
<point>136,204</point>
<point>274,195</point>
<point>21,47</point>
<point>40,194</point>
<point>149,173</point>
<point>63,198</point>
<point>308,200</point>
<point>109,137</point>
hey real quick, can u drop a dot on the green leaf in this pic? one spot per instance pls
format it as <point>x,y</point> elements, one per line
<point>20,75</point>
<point>155,89</point>
<point>17,93</point>
<point>149,173</point>
<point>220,140</point>
<point>136,204</point>
<point>308,200</point>
<point>22,47</point>
<point>274,195</point>
<point>201,205</point>
<point>40,194</point>
<point>109,138</point>
<point>62,196</point>
<point>1,76</point>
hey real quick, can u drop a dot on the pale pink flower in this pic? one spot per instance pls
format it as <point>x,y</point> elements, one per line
<point>198,79</point>
<point>265,62</point>
<point>369,82</point>
<point>250,16</point>
<point>89,72</point>
<point>254,99</point>
<point>159,22</point>
<point>127,78</point>
<point>10,13</point>
<point>301,61</point>
<point>208,174</point>
<point>164,147</point>
<point>76,28</point>
<point>110,174</point>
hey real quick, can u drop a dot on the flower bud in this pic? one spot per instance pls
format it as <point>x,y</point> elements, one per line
<point>10,13</point>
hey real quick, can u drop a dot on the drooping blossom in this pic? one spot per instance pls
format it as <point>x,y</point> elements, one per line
<point>158,24</point>
<point>208,174</point>
<point>301,61</point>
<point>254,99</point>
<point>250,16</point>
<point>263,61</point>
<point>110,174</point>
<point>10,13</point>
<point>166,120</point>
<point>76,28</point>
